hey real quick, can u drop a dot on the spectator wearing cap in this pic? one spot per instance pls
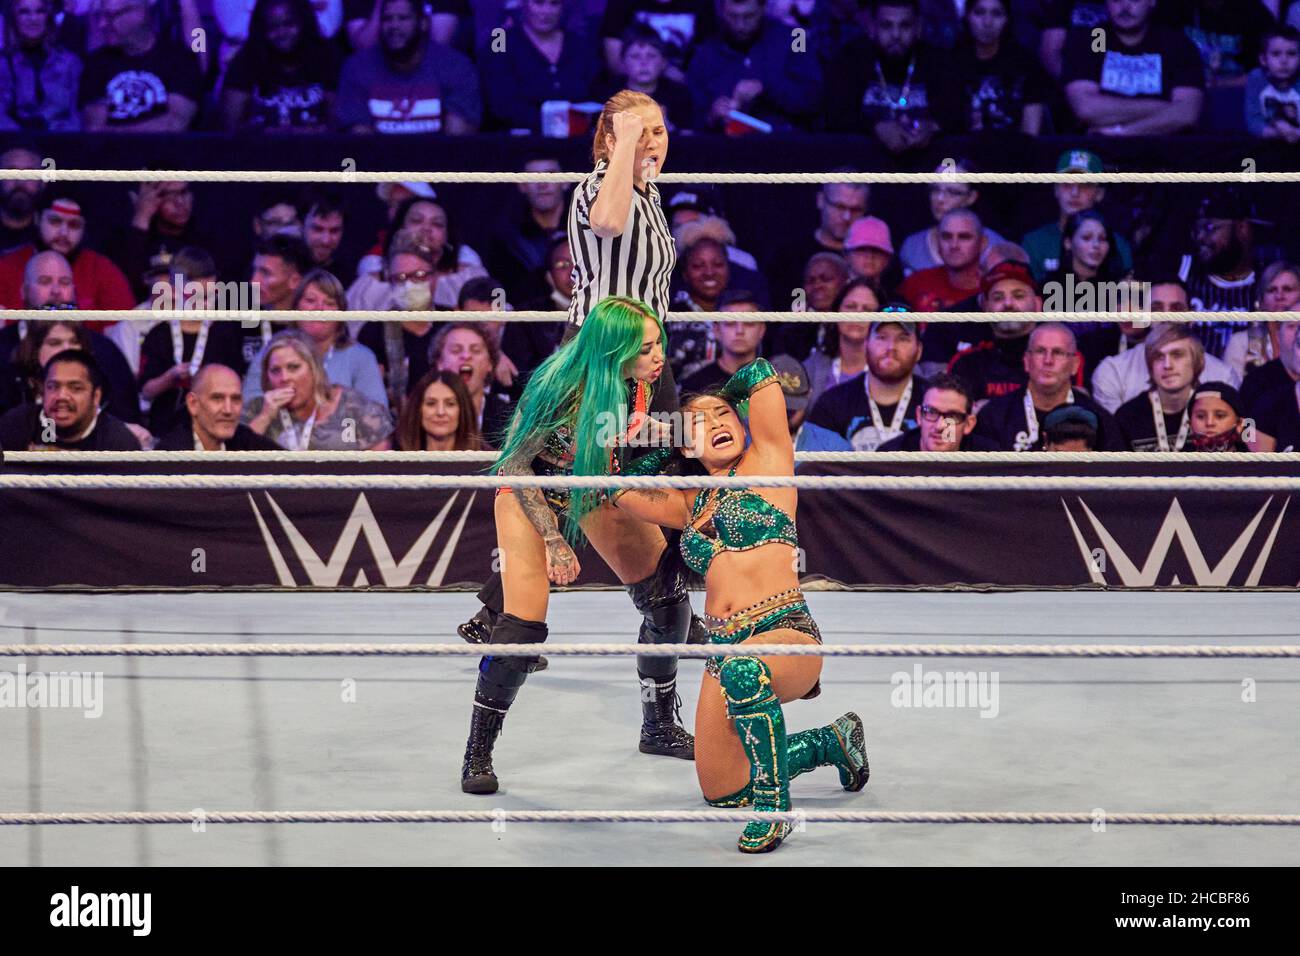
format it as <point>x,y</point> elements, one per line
<point>516,253</point>
<point>19,199</point>
<point>1273,88</point>
<point>1160,419</point>
<point>536,60</point>
<point>1277,412</point>
<point>1116,353</point>
<point>996,365</point>
<point>842,353</point>
<point>162,223</point>
<point>1044,244</point>
<point>750,66</point>
<point>61,227</point>
<point>885,84</point>
<point>214,403</point>
<point>1070,428</point>
<point>1147,82</point>
<point>1014,421</point>
<point>739,343</point>
<point>38,76</point>
<point>945,421</point>
<point>961,240</point>
<point>1220,273</point>
<point>68,416</point>
<point>920,250</point>
<point>870,409</point>
<point>869,250</point>
<point>1217,418</point>
<point>174,350</point>
<point>138,81</point>
<point>408,84</point>
<point>996,85</point>
<point>838,206</point>
<point>642,66</point>
<point>796,388</point>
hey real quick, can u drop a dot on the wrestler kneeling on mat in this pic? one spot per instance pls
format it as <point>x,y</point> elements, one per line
<point>742,541</point>
<point>562,427</point>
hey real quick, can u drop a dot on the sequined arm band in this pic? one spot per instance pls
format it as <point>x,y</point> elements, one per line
<point>747,381</point>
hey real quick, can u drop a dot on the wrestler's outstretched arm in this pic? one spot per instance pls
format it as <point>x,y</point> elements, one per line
<point>666,507</point>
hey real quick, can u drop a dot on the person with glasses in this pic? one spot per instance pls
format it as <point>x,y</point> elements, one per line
<point>920,250</point>
<point>162,223</point>
<point>1014,422</point>
<point>137,82</point>
<point>945,421</point>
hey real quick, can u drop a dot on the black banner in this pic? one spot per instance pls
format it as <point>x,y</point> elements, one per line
<point>343,539</point>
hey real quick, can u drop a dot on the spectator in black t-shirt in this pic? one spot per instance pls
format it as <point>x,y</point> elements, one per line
<point>1217,418</point>
<point>322,229</point>
<point>886,84</point>
<point>18,199</point>
<point>996,366</point>
<point>751,66</point>
<point>739,343</point>
<point>680,24</point>
<point>1147,82</point>
<point>995,84</point>
<point>213,405</point>
<point>68,416</point>
<point>1280,372</point>
<point>1160,418</point>
<point>1070,428</point>
<point>279,263</point>
<point>173,351</point>
<point>1051,365</point>
<point>535,61</point>
<point>1220,273</point>
<point>1277,413</point>
<point>162,223</point>
<point>945,421</point>
<point>516,253</point>
<point>284,78</point>
<point>1057,19</point>
<point>643,67</point>
<point>138,82</point>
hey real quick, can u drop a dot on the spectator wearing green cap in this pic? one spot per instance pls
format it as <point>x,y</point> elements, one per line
<point>1044,243</point>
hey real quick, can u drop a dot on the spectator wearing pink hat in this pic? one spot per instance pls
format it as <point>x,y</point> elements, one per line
<point>870,251</point>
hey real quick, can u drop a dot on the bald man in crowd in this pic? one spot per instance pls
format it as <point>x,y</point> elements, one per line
<point>215,401</point>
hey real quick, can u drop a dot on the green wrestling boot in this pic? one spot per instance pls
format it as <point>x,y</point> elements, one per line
<point>841,744</point>
<point>756,712</point>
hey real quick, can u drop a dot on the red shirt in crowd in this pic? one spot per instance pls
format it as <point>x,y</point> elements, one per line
<point>100,283</point>
<point>929,290</point>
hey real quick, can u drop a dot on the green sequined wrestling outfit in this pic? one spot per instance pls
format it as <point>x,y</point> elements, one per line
<point>742,520</point>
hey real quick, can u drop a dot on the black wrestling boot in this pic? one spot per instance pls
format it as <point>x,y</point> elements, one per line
<point>478,629</point>
<point>662,733</point>
<point>666,620</point>
<point>499,680</point>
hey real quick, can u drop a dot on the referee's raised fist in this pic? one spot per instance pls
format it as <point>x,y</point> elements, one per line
<point>627,127</point>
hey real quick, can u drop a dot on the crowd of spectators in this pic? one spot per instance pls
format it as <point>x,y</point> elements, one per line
<point>888,380</point>
<point>902,71</point>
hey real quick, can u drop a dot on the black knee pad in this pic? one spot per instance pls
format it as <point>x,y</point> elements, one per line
<point>499,678</point>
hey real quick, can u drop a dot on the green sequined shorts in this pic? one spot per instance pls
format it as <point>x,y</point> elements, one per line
<point>784,610</point>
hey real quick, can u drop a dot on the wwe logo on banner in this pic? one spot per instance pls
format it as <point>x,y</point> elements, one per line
<point>1175,525</point>
<point>361,521</point>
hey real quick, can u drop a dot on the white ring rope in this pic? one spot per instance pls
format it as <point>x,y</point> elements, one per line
<point>253,319</point>
<point>654,650</point>
<point>1226,483</point>
<point>798,817</point>
<point>467,457</point>
<point>54,174</point>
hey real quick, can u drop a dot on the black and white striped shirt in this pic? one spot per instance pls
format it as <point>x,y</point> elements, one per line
<point>638,262</point>
<point>1210,293</point>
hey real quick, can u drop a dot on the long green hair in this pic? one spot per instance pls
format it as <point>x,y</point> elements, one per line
<point>583,384</point>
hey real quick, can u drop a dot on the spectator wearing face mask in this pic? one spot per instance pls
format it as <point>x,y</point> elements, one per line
<point>1217,420</point>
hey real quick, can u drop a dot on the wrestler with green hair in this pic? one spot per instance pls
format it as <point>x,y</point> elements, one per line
<point>742,541</point>
<point>573,420</point>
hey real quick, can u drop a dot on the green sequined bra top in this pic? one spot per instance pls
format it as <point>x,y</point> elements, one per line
<point>741,520</point>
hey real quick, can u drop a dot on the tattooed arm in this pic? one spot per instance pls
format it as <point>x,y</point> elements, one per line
<point>562,565</point>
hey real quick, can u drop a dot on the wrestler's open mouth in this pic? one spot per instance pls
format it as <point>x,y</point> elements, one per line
<point>722,439</point>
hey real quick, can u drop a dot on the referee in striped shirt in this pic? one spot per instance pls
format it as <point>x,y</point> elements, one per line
<point>618,234</point>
